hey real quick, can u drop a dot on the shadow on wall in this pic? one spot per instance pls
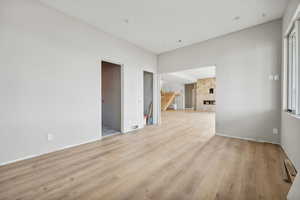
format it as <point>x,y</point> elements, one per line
<point>251,123</point>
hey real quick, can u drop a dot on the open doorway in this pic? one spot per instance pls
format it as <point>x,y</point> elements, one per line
<point>111,98</point>
<point>189,97</point>
<point>148,98</point>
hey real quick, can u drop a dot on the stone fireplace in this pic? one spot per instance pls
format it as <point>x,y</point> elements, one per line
<point>206,89</point>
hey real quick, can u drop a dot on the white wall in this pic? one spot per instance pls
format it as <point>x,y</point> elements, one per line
<point>290,137</point>
<point>50,75</point>
<point>248,103</point>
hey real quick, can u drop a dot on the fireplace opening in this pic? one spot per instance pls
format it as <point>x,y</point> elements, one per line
<point>209,102</point>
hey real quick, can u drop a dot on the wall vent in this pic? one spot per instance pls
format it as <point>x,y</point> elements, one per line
<point>135,127</point>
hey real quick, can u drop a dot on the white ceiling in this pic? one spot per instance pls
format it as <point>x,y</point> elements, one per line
<point>157,25</point>
<point>189,76</point>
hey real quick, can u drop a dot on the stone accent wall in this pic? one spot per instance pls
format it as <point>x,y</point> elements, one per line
<point>203,94</point>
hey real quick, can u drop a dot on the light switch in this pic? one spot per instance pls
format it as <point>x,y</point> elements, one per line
<point>50,137</point>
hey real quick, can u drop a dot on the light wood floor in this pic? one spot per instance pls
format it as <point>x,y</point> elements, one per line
<point>181,159</point>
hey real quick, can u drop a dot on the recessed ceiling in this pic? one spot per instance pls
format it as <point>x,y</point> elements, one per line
<point>189,76</point>
<point>164,25</point>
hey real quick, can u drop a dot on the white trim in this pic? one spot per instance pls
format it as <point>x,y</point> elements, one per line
<point>293,19</point>
<point>159,99</point>
<point>292,55</point>
<point>293,115</point>
<point>290,157</point>
<point>297,71</point>
<point>248,139</point>
<point>154,118</point>
<point>122,98</point>
<point>284,81</point>
<point>134,131</point>
<point>41,154</point>
<point>156,99</point>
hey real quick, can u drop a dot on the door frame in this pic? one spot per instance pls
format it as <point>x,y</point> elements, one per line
<point>122,93</point>
<point>154,103</point>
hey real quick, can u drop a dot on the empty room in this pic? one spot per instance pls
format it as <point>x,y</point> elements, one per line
<point>154,100</point>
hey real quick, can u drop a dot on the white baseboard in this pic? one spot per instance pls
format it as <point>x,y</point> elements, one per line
<point>74,145</point>
<point>248,139</point>
<point>62,148</point>
<point>36,155</point>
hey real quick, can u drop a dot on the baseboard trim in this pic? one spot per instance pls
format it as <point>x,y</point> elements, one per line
<point>41,154</point>
<point>65,147</point>
<point>90,141</point>
<point>248,139</point>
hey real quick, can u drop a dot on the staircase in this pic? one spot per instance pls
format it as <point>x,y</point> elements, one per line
<point>166,99</point>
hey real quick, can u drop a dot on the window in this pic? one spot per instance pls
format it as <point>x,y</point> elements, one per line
<point>293,104</point>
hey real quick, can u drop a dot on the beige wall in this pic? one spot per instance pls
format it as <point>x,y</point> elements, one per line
<point>50,79</point>
<point>203,87</point>
<point>248,103</point>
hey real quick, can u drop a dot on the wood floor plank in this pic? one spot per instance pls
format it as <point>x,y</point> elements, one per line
<point>180,159</point>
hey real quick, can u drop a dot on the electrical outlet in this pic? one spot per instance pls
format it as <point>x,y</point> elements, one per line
<point>50,137</point>
<point>275,131</point>
<point>135,126</point>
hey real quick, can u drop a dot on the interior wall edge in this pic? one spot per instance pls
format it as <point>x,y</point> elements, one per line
<point>248,139</point>
<point>48,152</point>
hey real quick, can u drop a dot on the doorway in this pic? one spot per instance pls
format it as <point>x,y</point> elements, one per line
<point>111,94</point>
<point>190,96</point>
<point>148,98</point>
